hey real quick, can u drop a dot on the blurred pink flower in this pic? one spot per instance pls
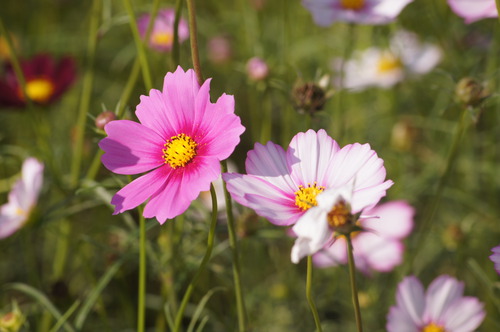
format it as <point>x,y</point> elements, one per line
<point>219,49</point>
<point>181,139</point>
<point>326,12</point>
<point>379,247</point>
<point>474,10</point>
<point>495,258</point>
<point>282,185</point>
<point>162,35</point>
<point>443,308</point>
<point>386,67</point>
<point>257,69</point>
<point>22,198</point>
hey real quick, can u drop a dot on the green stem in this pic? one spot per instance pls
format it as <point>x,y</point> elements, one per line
<point>16,64</point>
<point>88,78</point>
<point>352,277</point>
<point>240,303</point>
<point>146,72</point>
<point>194,40</point>
<point>206,258</point>
<point>309,297</point>
<point>141,310</point>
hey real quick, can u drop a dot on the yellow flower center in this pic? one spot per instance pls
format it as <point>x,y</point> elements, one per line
<point>352,4</point>
<point>162,38</point>
<point>339,215</point>
<point>305,197</point>
<point>433,328</point>
<point>388,62</point>
<point>20,212</point>
<point>179,150</point>
<point>39,90</point>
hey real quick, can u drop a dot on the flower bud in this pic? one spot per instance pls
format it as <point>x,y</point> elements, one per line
<point>403,135</point>
<point>13,320</point>
<point>308,98</point>
<point>104,118</point>
<point>470,92</point>
<point>257,69</point>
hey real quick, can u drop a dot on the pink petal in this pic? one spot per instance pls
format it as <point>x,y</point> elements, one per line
<point>310,156</point>
<point>182,187</point>
<point>155,112</point>
<point>410,299</point>
<point>368,197</point>
<point>395,219</point>
<point>331,255</point>
<point>10,222</point>
<point>441,293</point>
<point>399,321</point>
<point>219,128</point>
<point>268,200</point>
<point>139,190</point>
<point>464,315</point>
<point>474,10</point>
<point>379,253</point>
<point>131,148</point>
<point>269,162</point>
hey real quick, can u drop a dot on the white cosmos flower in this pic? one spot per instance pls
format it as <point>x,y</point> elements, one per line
<point>22,198</point>
<point>407,55</point>
<point>317,226</point>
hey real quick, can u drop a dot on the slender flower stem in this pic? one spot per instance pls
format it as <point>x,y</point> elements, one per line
<point>206,258</point>
<point>354,288</point>
<point>498,8</point>
<point>194,40</point>
<point>88,78</point>
<point>240,302</point>
<point>146,72</point>
<point>309,297</point>
<point>141,310</point>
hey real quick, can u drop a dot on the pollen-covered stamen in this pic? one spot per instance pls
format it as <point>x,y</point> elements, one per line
<point>305,197</point>
<point>388,62</point>
<point>352,4</point>
<point>39,90</point>
<point>432,328</point>
<point>340,215</point>
<point>179,150</point>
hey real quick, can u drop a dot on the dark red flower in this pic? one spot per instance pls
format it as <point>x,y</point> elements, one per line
<point>46,80</point>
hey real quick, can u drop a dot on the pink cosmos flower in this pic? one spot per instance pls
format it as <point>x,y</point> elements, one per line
<point>282,185</point>
<point>326,12</point>
<point>162,35</point>
<point>181,138</point>
<point>443,308</point>
<point>22,198</point>
<point>474,10</point>
<point>495,257</point>
<point>379,247</point>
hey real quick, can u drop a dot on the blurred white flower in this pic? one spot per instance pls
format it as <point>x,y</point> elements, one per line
<point>386,67</point>
<point>22,198</point>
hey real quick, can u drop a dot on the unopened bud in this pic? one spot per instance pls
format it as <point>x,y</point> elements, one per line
<point>13,320</point>
<point>309,98</point>
<point>104,118</point>
<point>470,92</point>
<point>257,69</point>
<point>403,135</point>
